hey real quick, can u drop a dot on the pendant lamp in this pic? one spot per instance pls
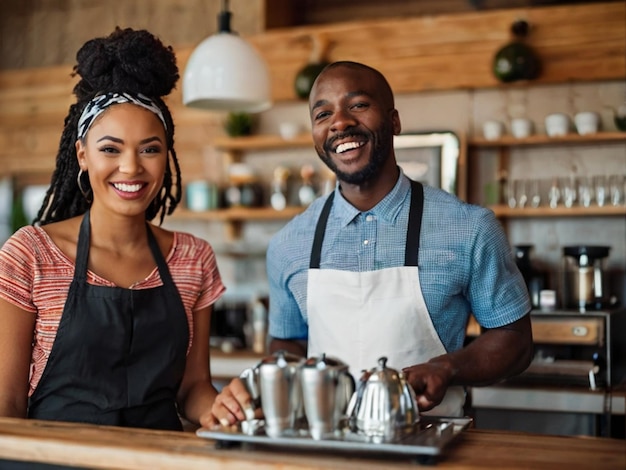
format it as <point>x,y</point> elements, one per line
<point>226,73</point>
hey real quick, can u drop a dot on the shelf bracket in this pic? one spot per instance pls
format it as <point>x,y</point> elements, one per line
<point>233,230</point>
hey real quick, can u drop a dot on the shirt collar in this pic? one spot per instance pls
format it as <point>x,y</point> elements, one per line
<point>387,209</point>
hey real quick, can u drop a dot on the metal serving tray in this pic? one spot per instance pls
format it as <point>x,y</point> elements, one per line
<point>429,440</point>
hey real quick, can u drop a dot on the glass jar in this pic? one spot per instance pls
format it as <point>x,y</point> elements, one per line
<point>243,189</point>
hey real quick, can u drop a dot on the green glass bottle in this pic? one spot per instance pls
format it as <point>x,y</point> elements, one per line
<point>517,60</point>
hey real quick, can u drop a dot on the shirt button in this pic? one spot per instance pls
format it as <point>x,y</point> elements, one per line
<point>366,242</point>
<point>369,218</point>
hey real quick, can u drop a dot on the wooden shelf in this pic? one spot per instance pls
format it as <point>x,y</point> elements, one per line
<point>542,139</point>
<point>261,142</point>
<point>560,211</point>
<point>268,142</point>
<point>234,217</point>
<point>235,214</point>
<point>232,149</point>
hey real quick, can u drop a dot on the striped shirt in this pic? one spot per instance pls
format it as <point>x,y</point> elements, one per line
<point>35,275</point>
<point>465,261</point>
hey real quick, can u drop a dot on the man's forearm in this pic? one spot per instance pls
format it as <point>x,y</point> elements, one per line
<point>494,355</point>
<point>296,347</point>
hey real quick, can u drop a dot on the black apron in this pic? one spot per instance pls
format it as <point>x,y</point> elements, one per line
<point>119,354</point>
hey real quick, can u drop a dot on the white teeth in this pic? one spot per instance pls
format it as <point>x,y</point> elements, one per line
<point>348,146</point>
<point>127,188</point>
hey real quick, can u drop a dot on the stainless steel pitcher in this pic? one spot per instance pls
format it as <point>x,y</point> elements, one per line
<point>274,383</point>
<point>327,387</point>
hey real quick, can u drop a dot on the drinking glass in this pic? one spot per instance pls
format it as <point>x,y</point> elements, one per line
<point>568,191</point>
<point>617,185</point>
<point>554,194</point>
<point>521,194</point>
<point>600,189</point>
<point>534,192</point>
<point>509,193</point>
<point>585,191</point>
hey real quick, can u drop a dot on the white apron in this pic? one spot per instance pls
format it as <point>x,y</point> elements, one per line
<point>360,316</point>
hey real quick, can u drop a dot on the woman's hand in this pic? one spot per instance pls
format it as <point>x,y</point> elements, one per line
<point>232,405</point>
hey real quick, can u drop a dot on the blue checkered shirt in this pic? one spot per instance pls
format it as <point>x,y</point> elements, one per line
<point>465,260</point>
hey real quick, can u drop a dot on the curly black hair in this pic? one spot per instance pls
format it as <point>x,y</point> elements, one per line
<point>126,61</point>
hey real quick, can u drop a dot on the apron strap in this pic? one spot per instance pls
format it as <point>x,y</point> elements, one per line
<point>82,250</point>
<point>412,235</point>
<point>414,229</point>
<point>164,271</point>
<point>320,229</point>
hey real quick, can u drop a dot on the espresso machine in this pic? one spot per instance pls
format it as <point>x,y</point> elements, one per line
<point>584,280</point>
<point>579,363</point>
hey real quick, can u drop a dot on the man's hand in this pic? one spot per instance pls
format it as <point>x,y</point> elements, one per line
<point>430,382</point>
<point>495,355</point>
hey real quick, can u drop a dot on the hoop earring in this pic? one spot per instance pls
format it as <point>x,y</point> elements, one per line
<point>80,186</point>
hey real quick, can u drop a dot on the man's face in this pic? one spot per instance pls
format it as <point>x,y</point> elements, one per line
<point>353,123</point>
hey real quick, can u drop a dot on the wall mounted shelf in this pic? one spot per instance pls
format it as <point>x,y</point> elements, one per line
<point>261,142</point>
<point>560,211</point>
<point>234,217</point>
<point>545,140</point>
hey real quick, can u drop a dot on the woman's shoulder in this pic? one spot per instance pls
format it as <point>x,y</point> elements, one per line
<point>32,236</point>
<point>32,245</point>
<point>186,245</point>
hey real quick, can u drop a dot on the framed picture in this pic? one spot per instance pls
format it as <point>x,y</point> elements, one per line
<point>432,158</point>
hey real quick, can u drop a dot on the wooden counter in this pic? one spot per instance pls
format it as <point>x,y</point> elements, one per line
<point>123,448</point>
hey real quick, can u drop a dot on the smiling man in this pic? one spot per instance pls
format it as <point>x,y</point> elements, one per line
<point>386,266</point>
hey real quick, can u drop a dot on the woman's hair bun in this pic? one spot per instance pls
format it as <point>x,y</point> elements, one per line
<point>127,60</point>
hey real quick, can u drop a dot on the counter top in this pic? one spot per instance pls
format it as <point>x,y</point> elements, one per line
<point>124,448</point>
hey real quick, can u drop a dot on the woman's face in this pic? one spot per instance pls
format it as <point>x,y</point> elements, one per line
<point>125,155</point>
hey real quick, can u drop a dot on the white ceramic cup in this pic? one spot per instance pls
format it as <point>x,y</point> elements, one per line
<point>289,130</point>
<point>557,124</point>
<point>492,130</point>
<point>587,122</point>
<point>521,127</point>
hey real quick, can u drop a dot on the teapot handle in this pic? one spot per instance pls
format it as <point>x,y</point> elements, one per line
<point>409,394</point>
<point>250,379</point>
<point>355,400</point>
<point>346,391</point>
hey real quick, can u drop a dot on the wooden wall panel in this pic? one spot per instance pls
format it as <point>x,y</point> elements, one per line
<point>327,11</point>
<point>577,43</point>
<point>581,43</point>
<point>38,33</point>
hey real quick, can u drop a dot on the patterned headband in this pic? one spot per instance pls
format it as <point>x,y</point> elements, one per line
<point>101,102</point>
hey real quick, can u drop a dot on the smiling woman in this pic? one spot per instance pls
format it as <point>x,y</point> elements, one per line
<point>107,316</point>
<point>125,155</point>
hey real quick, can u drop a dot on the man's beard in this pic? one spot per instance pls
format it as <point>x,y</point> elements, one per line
<point>381,150</point>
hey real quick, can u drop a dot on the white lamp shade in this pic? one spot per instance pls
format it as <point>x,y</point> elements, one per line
<point>226,73</point>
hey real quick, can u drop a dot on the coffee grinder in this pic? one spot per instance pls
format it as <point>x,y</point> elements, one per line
<point>584,286</point>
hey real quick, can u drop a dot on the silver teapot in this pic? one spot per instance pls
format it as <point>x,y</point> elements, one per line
<point>274,385</point>
<point>327,387</point>
<point>384,407</point>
